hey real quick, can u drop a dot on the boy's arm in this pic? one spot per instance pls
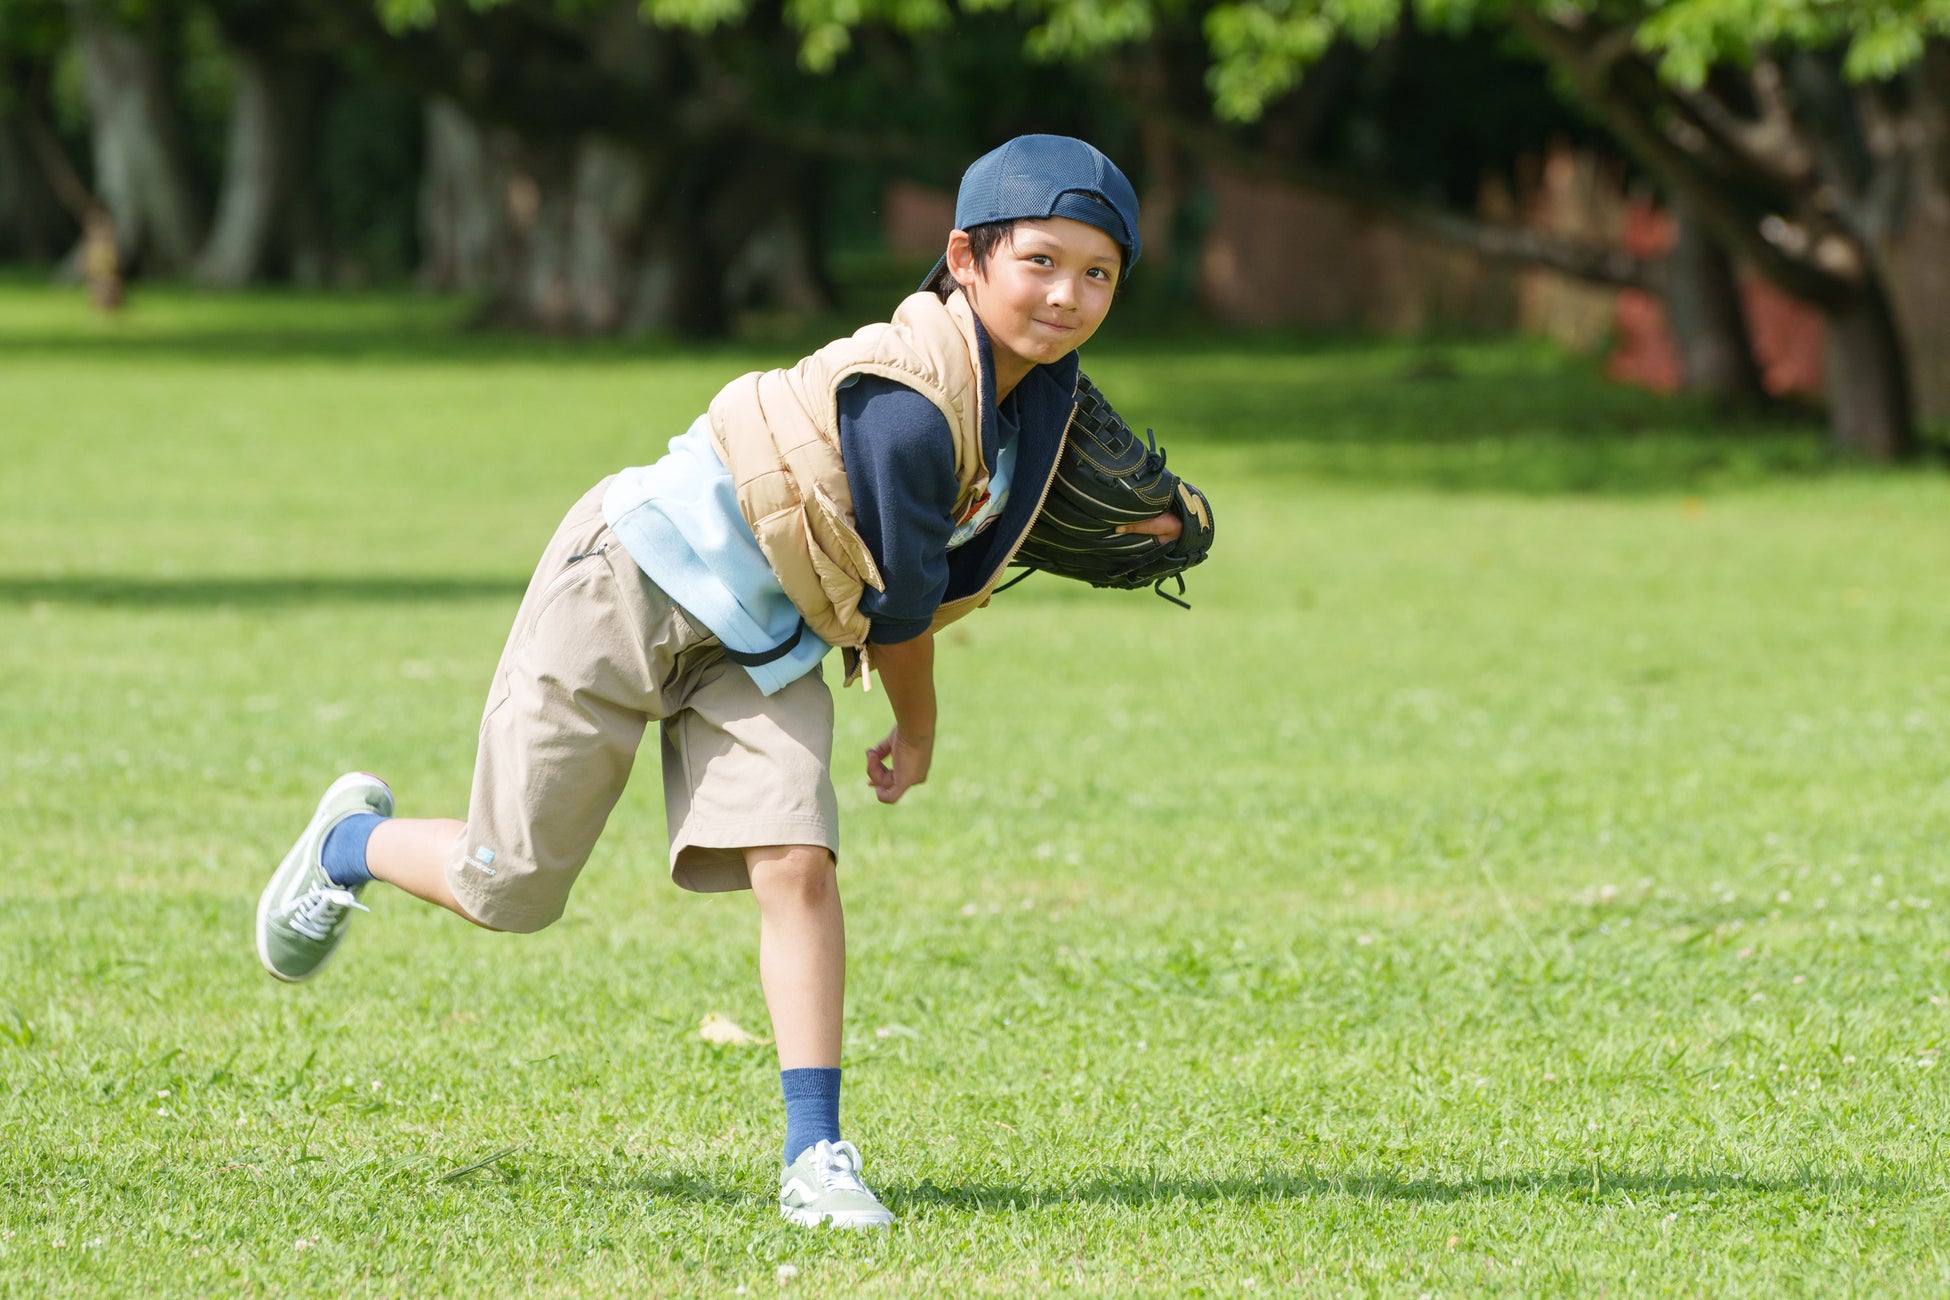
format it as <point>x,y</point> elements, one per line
<point>906,671</point>
<point>900,463</point>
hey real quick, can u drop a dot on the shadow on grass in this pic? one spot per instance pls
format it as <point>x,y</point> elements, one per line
<point>249,592</point>
<point>688,1187</point>
<point>1580,1184</point>
<point>1575,1184</point>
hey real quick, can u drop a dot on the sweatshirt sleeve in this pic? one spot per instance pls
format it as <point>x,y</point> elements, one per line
<point>900,464</point>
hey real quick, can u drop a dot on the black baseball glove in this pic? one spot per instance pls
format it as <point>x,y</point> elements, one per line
<point>1105,478</point>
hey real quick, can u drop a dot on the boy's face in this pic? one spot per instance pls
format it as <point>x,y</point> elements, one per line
<point>1045,290</point>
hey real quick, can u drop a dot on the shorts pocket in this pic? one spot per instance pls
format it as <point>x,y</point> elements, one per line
<point>576,566</point>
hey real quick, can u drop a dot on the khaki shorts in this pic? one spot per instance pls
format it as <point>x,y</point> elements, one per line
<point>597,652</point>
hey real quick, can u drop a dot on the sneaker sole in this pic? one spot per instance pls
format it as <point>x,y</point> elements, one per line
<point>806,1217</point>
<point>264,898</point>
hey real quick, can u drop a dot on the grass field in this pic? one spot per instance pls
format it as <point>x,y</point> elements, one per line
<point>1523,872</point>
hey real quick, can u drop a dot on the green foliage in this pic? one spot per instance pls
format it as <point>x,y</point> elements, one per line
<point>31,29</point>
<point>693,15</point>
<point>1259,54</point>
<point>407,15</point>
<point>1515,891</point>
<point>1881,36</point>
<point>367,177</point>
<point>32,35</point>
<point>826,26</point>
<point>1261,48</point>
<point>206,86</point>
<point>1079,28</point>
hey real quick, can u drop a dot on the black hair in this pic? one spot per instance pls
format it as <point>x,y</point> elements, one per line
<point>983,240</point>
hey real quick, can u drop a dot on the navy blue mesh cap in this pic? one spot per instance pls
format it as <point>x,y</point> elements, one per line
<point>1037,176</point>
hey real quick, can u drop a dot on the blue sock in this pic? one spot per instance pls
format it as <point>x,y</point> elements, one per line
<point>344,853</point>
<point>812,1109</point>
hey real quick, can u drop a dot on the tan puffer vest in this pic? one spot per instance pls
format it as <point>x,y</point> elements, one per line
<point>778,433</point>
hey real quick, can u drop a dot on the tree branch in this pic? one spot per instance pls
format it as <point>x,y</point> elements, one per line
<point>1805,263</point>
<point>1516,245</point>
<point>61,175</point>
<point>1520,246</point>
<point>1767,147</point>
<point>1932,81</point>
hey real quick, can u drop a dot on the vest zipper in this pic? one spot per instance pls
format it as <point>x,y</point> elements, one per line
<point>1048,483</point>
<point>1062,440</point>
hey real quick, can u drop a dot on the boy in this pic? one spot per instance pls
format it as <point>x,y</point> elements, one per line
<point>863,498</point>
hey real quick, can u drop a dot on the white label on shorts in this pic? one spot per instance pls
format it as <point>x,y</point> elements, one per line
<point>483,856</point>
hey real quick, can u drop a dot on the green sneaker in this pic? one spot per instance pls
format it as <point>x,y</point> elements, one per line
<point>302,915</point>
<point>823,1186</point>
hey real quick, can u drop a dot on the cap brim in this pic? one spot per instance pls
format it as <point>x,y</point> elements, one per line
<point>927,281</point>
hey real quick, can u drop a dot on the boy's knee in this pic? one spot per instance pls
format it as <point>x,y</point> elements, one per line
<point>805,871</point>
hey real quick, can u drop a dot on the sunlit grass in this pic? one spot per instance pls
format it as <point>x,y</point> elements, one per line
<point>1524,870</point>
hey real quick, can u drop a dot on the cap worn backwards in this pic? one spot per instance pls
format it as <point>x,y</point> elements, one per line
<point>1037,176</point>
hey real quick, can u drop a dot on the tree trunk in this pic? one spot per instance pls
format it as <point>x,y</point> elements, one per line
<point>586,234</point>
<point>264,222</point>
<point>697,301</point>
<point>140,171</point>
<point>576,216</point>
<point>1179,206</point>
<point>780,264</point>
<point>1716,353</point>
<point>612,187</point>
<point>34,227</point>
<point>682,284</point>
<point>1869,404</point>
<point>1807,230</point>
<point>1932,89</point>
<point>463,201</point>
<point>533,291</point>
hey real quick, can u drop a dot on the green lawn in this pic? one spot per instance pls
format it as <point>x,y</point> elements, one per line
<point>1523,871</point>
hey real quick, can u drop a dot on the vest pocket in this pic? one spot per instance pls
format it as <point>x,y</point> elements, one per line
<point>841,589</point>
<point>837,547</point>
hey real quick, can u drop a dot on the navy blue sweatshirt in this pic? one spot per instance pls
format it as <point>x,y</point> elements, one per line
<point>900,465</point>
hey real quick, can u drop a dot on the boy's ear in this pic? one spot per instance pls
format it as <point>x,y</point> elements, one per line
<point>961,258</point>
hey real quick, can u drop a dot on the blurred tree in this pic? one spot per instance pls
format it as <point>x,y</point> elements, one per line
<point>266,210</point>
<point>38,182</point>
<point>128,54</point>
<point>39,216</point>
<point>1413,127</point>
<point>1806,175</point>
<point>367,174</point>
<point>1792,133</point>
<point>602,166</point>
<point>1795,135</point>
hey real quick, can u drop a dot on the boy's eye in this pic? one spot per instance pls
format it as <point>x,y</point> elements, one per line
<point>1100,272</point>
<point>1041,259</point>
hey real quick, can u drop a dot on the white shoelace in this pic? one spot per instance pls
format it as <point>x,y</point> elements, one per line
<point>317,913</point>
<point>838,1166</point>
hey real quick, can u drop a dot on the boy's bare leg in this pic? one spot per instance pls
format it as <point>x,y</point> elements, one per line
<point>802,963</point>
<point>801,951</point>
<point>411,853</point>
